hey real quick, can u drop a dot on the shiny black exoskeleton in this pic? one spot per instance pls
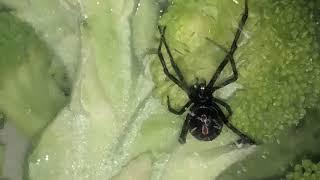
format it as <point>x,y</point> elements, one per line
<point>205,119</point>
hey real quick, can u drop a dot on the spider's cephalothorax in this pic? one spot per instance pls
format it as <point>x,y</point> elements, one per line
<point>199,94</point>
<point>205,119</point>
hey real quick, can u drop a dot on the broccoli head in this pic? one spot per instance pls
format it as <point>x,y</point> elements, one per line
<point>306,170</point>
<point>277,59</point>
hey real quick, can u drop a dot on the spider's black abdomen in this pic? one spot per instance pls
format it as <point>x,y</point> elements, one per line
<point>205,122</point>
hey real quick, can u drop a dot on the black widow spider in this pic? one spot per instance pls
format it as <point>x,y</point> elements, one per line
<point>205,119</point>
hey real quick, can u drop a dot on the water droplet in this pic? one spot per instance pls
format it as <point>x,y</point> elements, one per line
<point>235,1</point>
<point>38,161</point>
<point>47,157</point>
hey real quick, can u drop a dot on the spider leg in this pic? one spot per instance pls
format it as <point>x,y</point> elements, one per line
<point>218,45</point>
<point>225,105</point>
<point>232,78</point>
<point>178,112</point>
<point>185,127</point>
<point>229,56</point>
<point>240,28</point>
<point>180,83</point>
<point>217,73</point>
<point>244,139</point>
<point>184,131</point>
<point>165,69</point>
<point>174,65</point>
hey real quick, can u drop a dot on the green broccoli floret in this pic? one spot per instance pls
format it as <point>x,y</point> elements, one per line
<point>277,59</point>
<point>307,170</point>
<point>274,160</point>
<point>33,82</point>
